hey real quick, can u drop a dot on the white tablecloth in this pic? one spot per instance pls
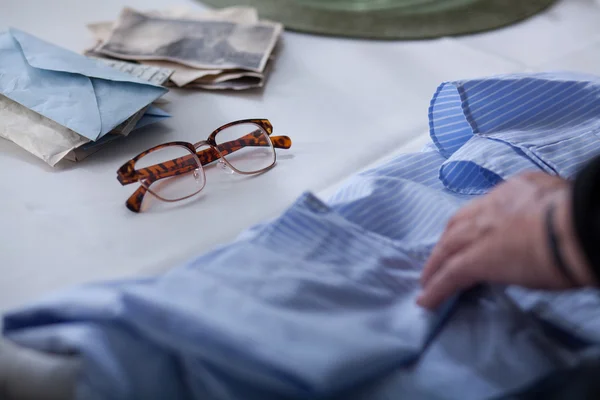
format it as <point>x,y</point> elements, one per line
<point>346,104</point>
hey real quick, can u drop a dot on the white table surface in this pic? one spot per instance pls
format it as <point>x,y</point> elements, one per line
<point>346,104</point>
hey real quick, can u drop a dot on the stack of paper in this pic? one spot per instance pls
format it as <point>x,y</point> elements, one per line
<point>58,104</point>
<point>225,49</point>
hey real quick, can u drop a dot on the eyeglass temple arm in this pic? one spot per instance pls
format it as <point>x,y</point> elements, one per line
<point>255,138</point>
<point>134,202</point>
<point>186,164</point>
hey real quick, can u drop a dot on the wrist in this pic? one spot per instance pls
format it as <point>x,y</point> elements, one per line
<point>569,246</point>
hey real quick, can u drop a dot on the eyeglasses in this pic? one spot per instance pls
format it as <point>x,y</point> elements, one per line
<point>174,171</point>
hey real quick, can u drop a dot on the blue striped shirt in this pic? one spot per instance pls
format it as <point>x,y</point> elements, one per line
<point>320,302</point>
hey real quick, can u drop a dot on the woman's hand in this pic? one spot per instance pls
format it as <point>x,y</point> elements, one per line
<point>501,238</point>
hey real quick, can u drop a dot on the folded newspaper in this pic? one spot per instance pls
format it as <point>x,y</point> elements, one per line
<point>223,49</point>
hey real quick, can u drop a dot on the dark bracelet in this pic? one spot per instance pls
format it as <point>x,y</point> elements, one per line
<point>554,247</point>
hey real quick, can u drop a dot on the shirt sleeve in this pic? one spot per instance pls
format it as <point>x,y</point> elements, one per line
<point>586,212</point>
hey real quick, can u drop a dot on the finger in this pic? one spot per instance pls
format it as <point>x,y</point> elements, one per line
<point>532,176</point>
<point>463,270</point>
<point>543,180</point>
<point>452,241</point>
<point>448,281</point>
<point>468,212</point>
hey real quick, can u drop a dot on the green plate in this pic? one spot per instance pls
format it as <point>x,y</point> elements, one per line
<point>392,19</point>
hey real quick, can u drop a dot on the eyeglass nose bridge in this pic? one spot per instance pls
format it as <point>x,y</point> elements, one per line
<point>223,163</point>
<point>210,144</point>
<point>205,143</point>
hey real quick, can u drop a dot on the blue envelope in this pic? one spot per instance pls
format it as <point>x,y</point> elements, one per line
<point>77,92</point>
<point>151,116</point>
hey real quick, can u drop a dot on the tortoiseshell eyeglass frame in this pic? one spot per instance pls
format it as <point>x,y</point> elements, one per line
<point>127,174</point>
